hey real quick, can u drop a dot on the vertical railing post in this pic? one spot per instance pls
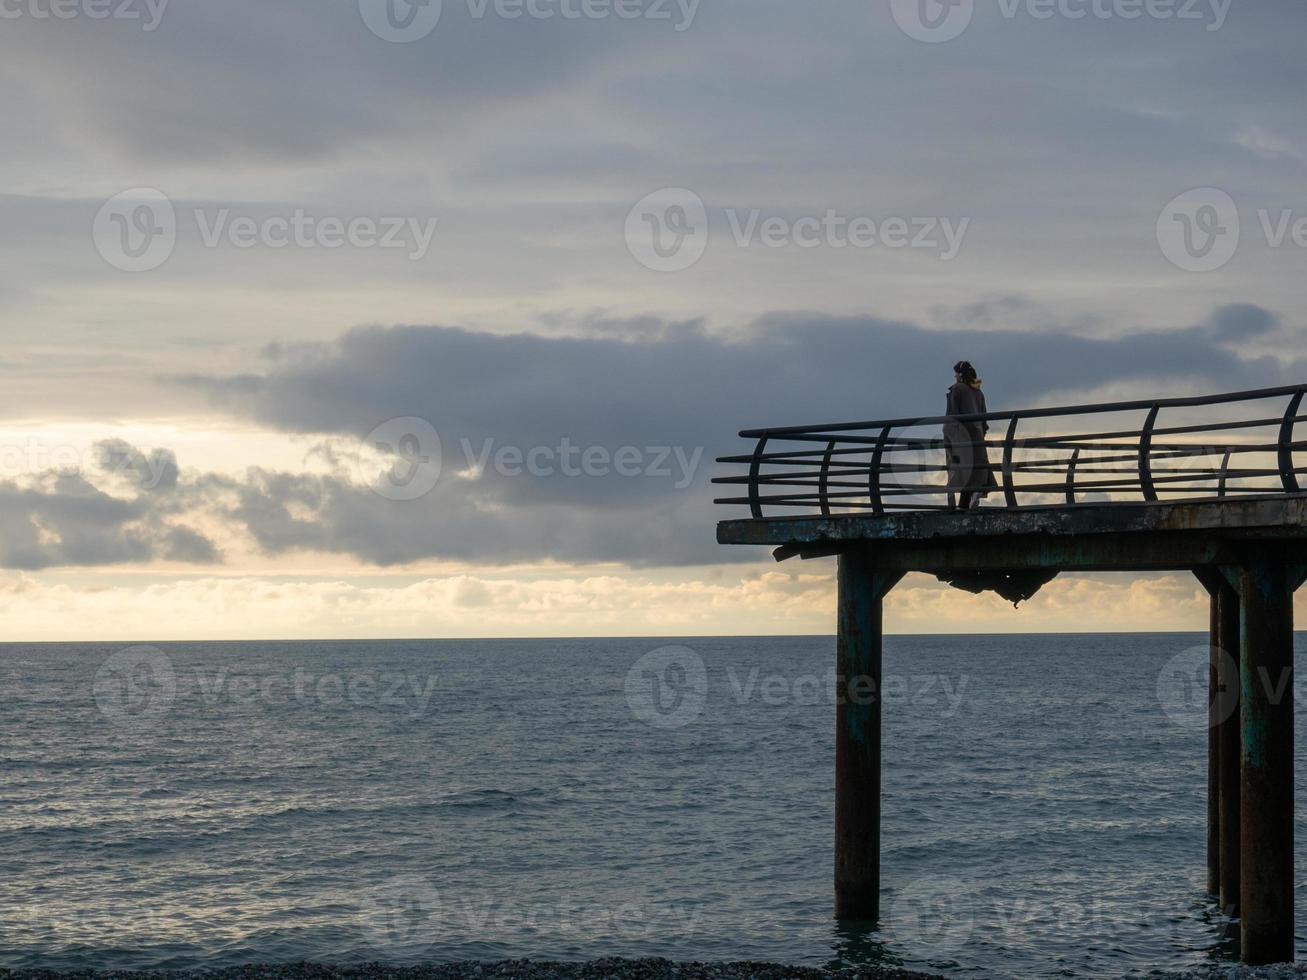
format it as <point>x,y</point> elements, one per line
<point>755,500</point>
<point>1285,455</point>
<point>1071,476</point>
<point>1009,445</point>
<point>1146,455</point>
<point>873,477</point>
<point>823,487</point>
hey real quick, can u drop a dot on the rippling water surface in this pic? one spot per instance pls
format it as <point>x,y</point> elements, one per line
<point>213,804</point>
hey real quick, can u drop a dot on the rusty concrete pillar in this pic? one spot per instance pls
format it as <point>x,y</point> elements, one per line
<point>1266,769</point>
<point>858,650</point>
<point>1214,741</point>
<point>1221,768</point>
<point>1227,642</point>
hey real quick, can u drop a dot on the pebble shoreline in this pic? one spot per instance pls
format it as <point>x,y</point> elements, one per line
<point>606,969</point>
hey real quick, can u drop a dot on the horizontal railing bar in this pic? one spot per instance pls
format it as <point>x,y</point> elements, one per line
<point>1192,401</point>
<point>846,465</point>
<point>1076,441</point>
<point>1182,429</point>
<point>1024,466</point>
<point>1133,457</point>
<point>1069,442</point>
<point>1160,451</point>
<point>813,477</point>
<point>917,489</point>
<point>809,500</point>
<point>1034,442</point>
<point>1197,473</point>
<point>1200,482</point>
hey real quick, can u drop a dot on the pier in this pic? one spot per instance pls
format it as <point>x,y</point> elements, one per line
<point>1205,484</point>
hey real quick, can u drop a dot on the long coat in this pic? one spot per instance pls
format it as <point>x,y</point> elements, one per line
<point>968,459</point>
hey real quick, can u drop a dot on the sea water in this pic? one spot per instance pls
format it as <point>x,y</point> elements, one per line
<point>205,804</point>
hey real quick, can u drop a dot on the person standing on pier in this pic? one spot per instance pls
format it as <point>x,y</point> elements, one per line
<point>970,475</point>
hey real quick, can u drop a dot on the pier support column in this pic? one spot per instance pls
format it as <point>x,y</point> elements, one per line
<point>1222,584</point>
<point>1212,580</point>
<point>1228,642</point>
<point>1266,770</point>
<point>857,735</point>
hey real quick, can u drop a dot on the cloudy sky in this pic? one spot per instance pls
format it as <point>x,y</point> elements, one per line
<point>362,318</point>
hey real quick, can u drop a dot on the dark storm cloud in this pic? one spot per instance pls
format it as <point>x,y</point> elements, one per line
<point>1240,322</point>
<point>669,394</point>
<point>292,512</point>
<point>64,519</point>
<point>677,386</point>
<point>683,385</point>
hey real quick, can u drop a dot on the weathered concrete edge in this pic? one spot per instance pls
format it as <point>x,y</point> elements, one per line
<point>1278,516</point>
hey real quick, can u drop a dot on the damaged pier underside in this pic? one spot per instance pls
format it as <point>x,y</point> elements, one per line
<point>1016,552</point>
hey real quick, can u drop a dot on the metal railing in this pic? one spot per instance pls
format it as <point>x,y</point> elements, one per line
<point>893,465</point>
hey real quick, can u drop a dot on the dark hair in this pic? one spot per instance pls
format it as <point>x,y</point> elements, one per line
<point>965,369</point>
